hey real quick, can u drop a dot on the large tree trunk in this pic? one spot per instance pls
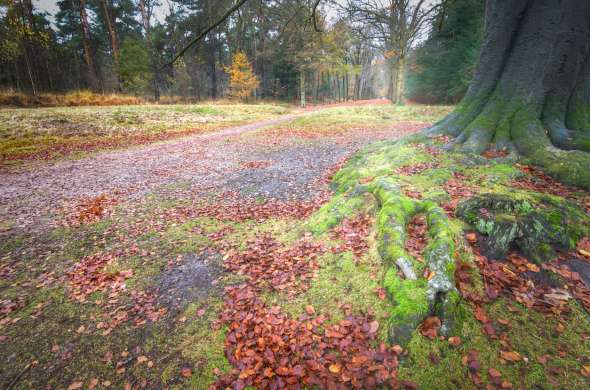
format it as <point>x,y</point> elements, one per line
<point>530,93</point>
<point>88,54</point>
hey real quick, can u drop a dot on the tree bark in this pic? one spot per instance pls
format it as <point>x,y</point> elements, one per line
<point>109,23</point>
<point>145,18</point>
<point>302,88</point>
<point>530,94</point>
<point>211,54</point>
<point>88,54</point>
<point>400,80</point>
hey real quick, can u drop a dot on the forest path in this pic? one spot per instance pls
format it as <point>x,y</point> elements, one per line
<point>32,198</point>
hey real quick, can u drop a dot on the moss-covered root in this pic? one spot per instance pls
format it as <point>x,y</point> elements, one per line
<point>414,297</point>
<point>515,126</point>
<point>569,166</point>
<point>536,225</point>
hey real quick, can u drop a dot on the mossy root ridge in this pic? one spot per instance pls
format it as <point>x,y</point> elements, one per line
<point>513,125</point>
<point>413,296</point>
<point>367,180</point>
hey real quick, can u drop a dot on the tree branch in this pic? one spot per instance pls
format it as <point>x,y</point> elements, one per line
<point>203,33</point>
<point>313,16</point>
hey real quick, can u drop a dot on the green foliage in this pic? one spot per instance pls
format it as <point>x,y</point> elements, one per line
<point>134,66</point>
<point>444,64</point>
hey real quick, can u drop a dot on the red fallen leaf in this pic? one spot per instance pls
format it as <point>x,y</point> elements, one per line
<point>239,385</point>
<point>495,376</point>
<point>430,326</point>
<point>543,359</point>
<point>489,329</point>
<point>309,310</point>
<point>511,356</point>
<point>490,154</point>
<point>75,386</point>
<point>283,371</point>
<point>454,341</point>
<point>560,328</point>
<point>186,372</point>
<point>373,327</point>
<point>247,373</point>
<point>367,179</point>
<point>473,365</point>
<point>471,237</point>
<point>268,372</point>
<point>481,315</point>
<point>380,291</point>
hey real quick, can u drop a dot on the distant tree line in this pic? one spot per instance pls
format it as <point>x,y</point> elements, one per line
<point>119,46</point>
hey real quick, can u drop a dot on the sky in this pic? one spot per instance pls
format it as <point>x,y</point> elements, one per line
<point>51,8</point>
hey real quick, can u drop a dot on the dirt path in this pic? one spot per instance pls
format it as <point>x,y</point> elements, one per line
<point>30,199</point>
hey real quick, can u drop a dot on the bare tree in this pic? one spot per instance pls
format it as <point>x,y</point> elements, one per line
<point>393,26</point>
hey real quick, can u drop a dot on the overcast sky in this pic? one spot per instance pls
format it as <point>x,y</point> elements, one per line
<point>51,8</point>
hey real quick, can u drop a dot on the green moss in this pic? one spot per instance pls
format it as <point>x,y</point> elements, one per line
<point>332,213</point>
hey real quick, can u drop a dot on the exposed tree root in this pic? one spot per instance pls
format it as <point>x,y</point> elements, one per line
<point>418,290</point>
<point>433,291</point>
<point>512,126</point>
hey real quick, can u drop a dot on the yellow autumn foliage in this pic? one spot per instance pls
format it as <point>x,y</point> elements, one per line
<point>242,81</point>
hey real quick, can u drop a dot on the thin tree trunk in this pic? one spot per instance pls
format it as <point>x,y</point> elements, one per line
<point>211,54</point>
<point>302,88</point>
<point>400,80</point>
<point>145,17</point>
<point>88,55</point>
<point>113,37</point>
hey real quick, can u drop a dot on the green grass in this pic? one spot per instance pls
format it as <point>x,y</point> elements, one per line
<point>35,132</point>
<point>340,119</point>
<point>188,340</point>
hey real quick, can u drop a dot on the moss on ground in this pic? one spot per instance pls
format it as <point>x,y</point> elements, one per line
<point>376,170</point>
<point>187,339</point>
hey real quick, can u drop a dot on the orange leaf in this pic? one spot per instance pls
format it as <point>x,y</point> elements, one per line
<point>511,356</point>
<point>335,368</point>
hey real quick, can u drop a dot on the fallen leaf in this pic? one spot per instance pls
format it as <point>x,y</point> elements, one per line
<point>429,327</point>
<point>454,341</point>
<point>186,372</point>
<point>511,356</point>
<point>75,386</point>
<point>373,327</point>
<point>335,368</point>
